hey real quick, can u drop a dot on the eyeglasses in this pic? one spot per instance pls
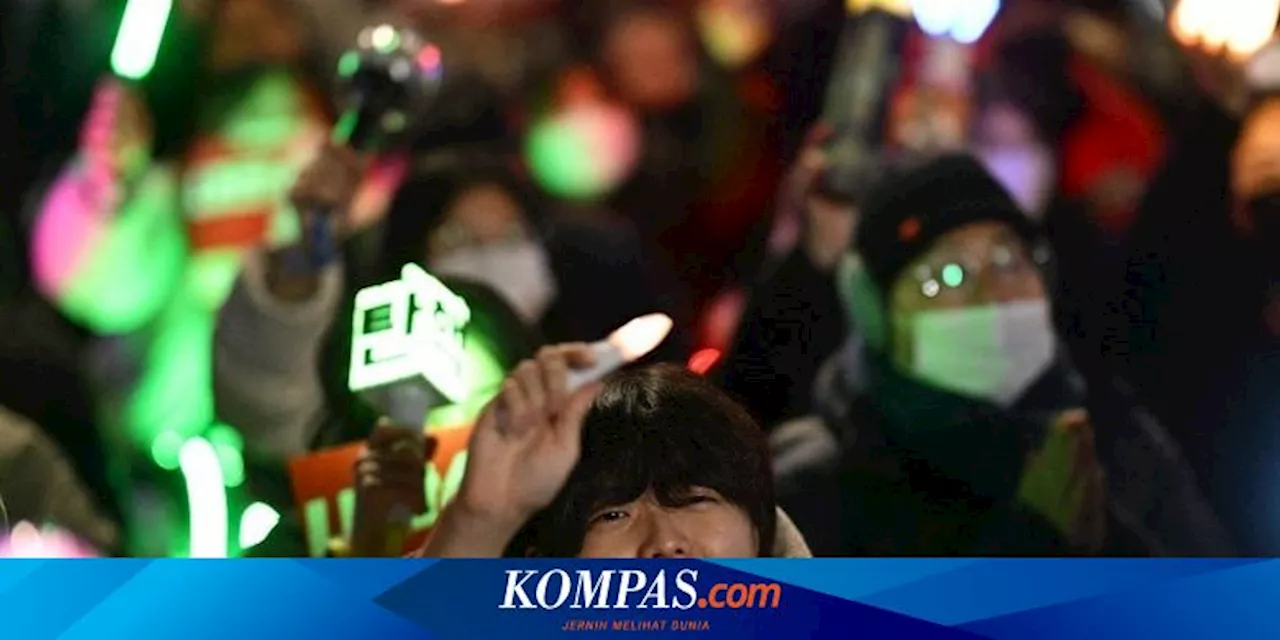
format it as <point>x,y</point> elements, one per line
<point>452,235</point>
<point>958,277</point>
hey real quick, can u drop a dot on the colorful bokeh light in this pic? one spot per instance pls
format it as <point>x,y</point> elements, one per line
<point>584,150</point>
<point>735,32</point>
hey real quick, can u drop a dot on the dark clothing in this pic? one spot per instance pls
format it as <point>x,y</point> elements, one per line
<point>793,321</point>
<point>914,471</point>
<point>603,283</point>
<point>1198,350</point>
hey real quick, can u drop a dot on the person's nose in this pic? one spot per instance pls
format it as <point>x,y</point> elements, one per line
<point>664,537</point>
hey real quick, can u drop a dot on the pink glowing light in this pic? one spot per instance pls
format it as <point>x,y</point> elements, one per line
<point>66,231</point>
<point>26,541</point>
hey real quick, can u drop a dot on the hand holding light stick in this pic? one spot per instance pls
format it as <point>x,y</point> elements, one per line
<point>631,342</point>
<point>408,354</point>
<point>386,82</point>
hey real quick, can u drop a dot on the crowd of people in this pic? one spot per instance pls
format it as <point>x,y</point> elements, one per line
<point>1045,323</point>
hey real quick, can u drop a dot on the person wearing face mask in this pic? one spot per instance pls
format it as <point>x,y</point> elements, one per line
<point>571,274</point>
<point>1201,327</point>
<point>951,424</point>
<point>653,462</point>
<point>174,178</point>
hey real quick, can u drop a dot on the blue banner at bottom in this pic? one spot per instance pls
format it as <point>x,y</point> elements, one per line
<point>937,598</point>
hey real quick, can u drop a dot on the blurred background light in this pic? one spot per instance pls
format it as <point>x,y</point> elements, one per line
<point>584,150</point>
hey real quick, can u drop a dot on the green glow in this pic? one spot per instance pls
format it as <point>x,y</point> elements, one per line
<point>560,158</point>
<point>256,523</point>
<point>407,327</point>
<point>206,499</point>
<point>268,116</point>
<point>138,41</point>
<point>176,390</point>
<point>349,64</point>
<point>164,450</point>
<point>229,445</point>
<point>144,246</point>
<point>484,373</point>
<point>953,275</point>
<point>316,515</point>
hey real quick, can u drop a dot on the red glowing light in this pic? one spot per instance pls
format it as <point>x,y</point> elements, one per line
<point>702,361</point>
<point>429,58</point>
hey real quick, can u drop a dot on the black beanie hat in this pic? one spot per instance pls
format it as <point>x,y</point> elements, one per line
<point>906,213</point>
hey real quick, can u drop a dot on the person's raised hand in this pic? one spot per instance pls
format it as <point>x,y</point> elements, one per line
<point>389,477</point>
<point>117,134</point>
<point>1064,482</point>
<point>528,440</point>
<point>322,195</point>
<point>326,187</point>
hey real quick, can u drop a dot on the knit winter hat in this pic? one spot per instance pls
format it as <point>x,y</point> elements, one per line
<point>906,213</point>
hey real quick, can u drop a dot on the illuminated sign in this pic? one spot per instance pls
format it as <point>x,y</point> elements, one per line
<point>323,488</point>
<point>408,327</point>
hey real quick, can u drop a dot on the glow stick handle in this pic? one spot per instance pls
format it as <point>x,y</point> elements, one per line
<point>608,359</point>
<point>407,404</point>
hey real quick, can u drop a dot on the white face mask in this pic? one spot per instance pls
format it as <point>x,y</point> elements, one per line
<point>519,271</point>
<point>1026,172</point>
<point>993,352</point>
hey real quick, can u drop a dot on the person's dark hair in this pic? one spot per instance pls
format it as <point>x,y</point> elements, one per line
<point>419,205</point>
<point>663,429</point>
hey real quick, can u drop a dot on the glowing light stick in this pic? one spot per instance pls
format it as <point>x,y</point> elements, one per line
<point>138,40</point>
<point>386,83</point>
<point>628,344</point>
<point>206,498</point>
<point>962,20</point>
<point>407,354</point>
<point>408,330</point>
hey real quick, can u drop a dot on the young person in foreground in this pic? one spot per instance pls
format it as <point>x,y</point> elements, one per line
<point>651,463</point>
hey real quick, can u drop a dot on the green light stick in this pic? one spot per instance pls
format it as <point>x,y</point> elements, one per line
<point>138,41</point>
<point>407,345</point>
<point>408,353</point>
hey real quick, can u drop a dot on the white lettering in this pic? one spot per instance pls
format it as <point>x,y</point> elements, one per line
<point>541,592</point>
<point>588,590</point>
<point>515,589</point>
<point>686,587</point>
<point>657,591</point>
<point>632,582</point>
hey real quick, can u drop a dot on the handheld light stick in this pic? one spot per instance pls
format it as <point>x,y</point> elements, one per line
<point>408,355</point>
<point>626,345</point>
<point>138,41</point>
<point>385,83</point>
<point>864,71</point>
